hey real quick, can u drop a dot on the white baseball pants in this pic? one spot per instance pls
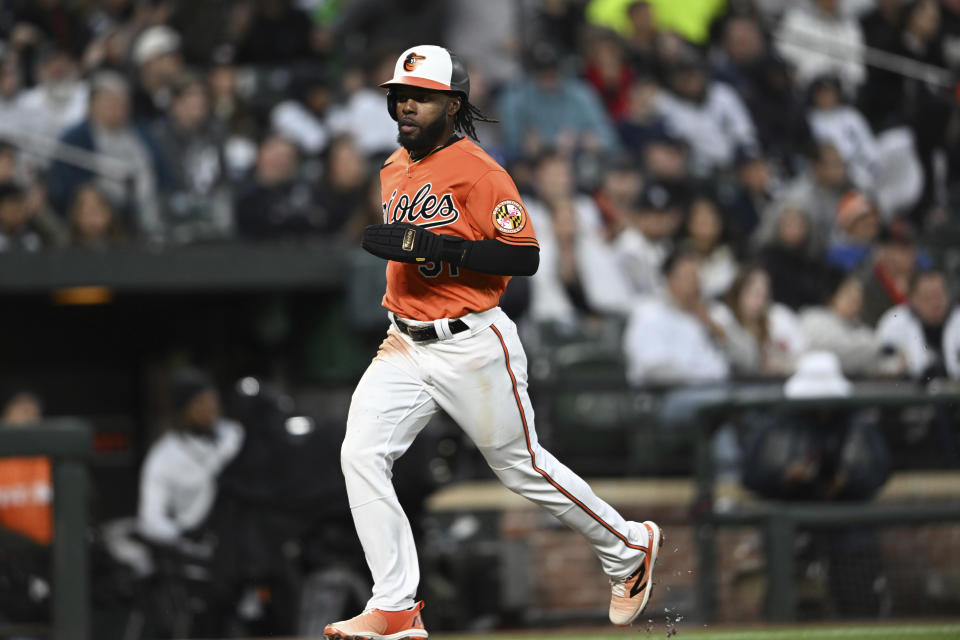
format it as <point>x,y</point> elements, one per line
<point>479,377</point>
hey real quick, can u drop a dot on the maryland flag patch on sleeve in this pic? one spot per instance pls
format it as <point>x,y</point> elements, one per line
<point>509,216</point>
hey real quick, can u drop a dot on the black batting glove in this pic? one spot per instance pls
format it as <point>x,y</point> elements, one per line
<point>405,242</point>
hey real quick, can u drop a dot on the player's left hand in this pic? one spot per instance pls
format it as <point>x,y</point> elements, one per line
<point>405,242</point>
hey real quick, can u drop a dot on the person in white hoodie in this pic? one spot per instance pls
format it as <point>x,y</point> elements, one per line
<point>923,331</point>
<point>178,481</point>
<point>670,338</point>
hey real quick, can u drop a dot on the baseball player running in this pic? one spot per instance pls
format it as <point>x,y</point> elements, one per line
<point>454,233</point>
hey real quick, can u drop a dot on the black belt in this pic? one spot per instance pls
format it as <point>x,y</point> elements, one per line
<point>422,333</point>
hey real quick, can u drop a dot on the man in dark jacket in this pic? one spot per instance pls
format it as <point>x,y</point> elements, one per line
<point>824,454</point>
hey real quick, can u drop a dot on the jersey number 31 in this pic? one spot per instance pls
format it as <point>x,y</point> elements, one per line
<point>433,269</point>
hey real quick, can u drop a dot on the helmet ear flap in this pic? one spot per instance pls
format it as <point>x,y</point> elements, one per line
<point>392,104</point>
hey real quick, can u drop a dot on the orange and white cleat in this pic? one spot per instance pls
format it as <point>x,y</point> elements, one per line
<point>376,624</point>
<point>629,596</point>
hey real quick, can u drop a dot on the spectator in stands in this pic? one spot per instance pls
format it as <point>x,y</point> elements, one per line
<point>789,253</point>
<point>26,519</point>
<point>111,50</point>
<point>176,513</point>
<point>559,24</point>
<point>549,109</point>
<point>93,221</point>
<point>363,114</point>
<point>25,483</point>
<point>16,231</point>
<point>761,337</point>
<point>666,160</point>
<point>197,203</point>
<point>779,114</point>
<point>830,457</point>
<point>744,60</point>
<point>760,76</point>
<point>303,117</point>
<point>741,54</point>
<point>819,189</point>
<point>52,228</point>
<point>641,247</point>
<point>858,225</point>
<point>10,85</point>
<point>58,101</point>
<point>642,120</point>
<point>178,481</point>
<point>709,115</point>
<point>272,32</point>
<point>483,95</point>
<point>619,189</point>
<point>204,28</point>
<point>833,121</point>
<point>487,33</point>
<point>819,37</point>
<point>108,132</point>
<point>750,194</point>
<point>276,202</point>
<point>671,338</point>
<point>644,39</point>
<point>578,274</point>
<point>232,111</point>
<point>608,72</point>
<point>60,22</point>
<point>705,231</point>
<point>341,189</point>
<point>879,97</point>
<point>158,64</point>
<point>836,327</point>
<point>917,329</point>
<point>881,24</point>
<point>887,273</point>
<point>926,107</point>
<point>823,454</point>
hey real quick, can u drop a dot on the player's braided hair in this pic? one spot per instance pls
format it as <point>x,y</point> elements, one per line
<point>464,118</point>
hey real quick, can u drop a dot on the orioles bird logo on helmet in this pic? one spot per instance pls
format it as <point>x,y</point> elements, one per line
<point>412,61</point>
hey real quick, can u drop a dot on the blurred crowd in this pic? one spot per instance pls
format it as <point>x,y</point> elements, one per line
<point>736,182</point>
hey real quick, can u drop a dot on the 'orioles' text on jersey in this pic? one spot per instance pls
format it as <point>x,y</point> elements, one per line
<point>458,190</point>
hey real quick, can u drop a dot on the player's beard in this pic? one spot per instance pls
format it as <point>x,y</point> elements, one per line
<point>424,139</point>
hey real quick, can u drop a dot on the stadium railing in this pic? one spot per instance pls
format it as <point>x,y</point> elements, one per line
<point>68,442</point>
<point>780,520</point>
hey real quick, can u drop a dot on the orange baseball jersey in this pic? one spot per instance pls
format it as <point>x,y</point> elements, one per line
<point>25,497</point>
<point>461,191</point>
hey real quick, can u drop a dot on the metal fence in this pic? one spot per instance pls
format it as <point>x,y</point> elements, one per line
<point>779,521</point>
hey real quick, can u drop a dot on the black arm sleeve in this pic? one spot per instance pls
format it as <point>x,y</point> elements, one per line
<point>500,258</point>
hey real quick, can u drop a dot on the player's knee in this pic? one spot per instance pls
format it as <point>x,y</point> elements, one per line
<point>353,456</point>
<point>512,478</point>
